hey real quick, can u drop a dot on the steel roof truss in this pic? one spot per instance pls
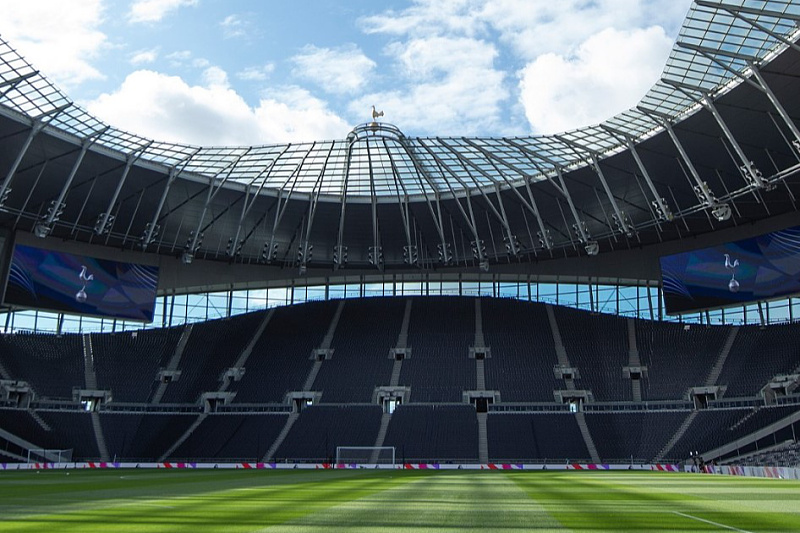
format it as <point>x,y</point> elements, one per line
<point>214,186</point>
<point>105,220</point>
<point>662,209</point>
<point>280,209</point>
<point>478,247</point>
<point>510,238</point>
<point>579,227</point>
<point>375,252</point>
<point>621,220</point>
<point>445,254</point>
<point>701,189</point>
<point>411,254</point>
<point>748,10</point>
<point>751,174</point>
<point>777,105</point>
<point>735,12</point>
<point>57,205</point>
<point>152,228</point>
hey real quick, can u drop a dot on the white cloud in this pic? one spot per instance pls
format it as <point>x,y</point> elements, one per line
<point>141,57</point>
<point>535,28</point>
<point>455,90</point>
<point>59,38</point>
<point>166,108</point>
<point>555,48</point>
<point>260,73</point>
<point>429,18</point>
<point>609,73</point>
<point>182,58</point>
<point>341,70</point>
<point>234,26</point>
<point>155,10</point>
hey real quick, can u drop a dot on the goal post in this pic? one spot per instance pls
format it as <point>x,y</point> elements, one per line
<point>365,455</point>
<point>42,455</point>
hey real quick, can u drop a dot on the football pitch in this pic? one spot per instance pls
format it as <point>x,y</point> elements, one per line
<point>375,501</point>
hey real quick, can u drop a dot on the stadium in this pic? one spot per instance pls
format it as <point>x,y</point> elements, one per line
<point>594,330</point>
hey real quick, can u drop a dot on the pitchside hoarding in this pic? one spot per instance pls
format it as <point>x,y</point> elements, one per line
<point>68,283</point>
<point>735,273</point>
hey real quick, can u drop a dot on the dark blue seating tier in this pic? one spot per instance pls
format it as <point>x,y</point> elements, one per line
<point>320,429</point>
<point>535,438</point>
<point>713,428</point>
<point>632,436</point>
<point>51,364</point>
<point>128,363</point>
<point>778,349</point>
<point>598,346</point>
<point>522,351</point>
<point>143,438</point>
<point>677,357</point>
<point>73,430</point>
<point>231,437</point>
<point>213,347</point>
<point>21,424</point>
<point>281,359</point>
<point>361,344</point>
<point>434,433</point>
<point>440,333</point>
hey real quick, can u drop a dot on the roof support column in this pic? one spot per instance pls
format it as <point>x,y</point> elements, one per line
<point>445,253</point>
<point>750,172</point>
<point>620,218</point>
<point>45,225</point>
<point>375,251</point>
<point>659,203</point>
<point>36,127</point>
<point>214,186</point>
<point>152,228</point>
<point>304,252</point>
<point>478,245</point>
<point>720,211</point>
<point>778,107</point>
<point>105,220</point>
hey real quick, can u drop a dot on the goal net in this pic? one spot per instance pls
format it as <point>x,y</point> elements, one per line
<point>42,455</point>
<point>365,455</point>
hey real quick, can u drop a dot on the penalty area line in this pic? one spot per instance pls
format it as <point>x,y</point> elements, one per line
<point>711,522</point>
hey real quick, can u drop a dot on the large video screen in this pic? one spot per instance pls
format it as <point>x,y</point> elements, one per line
<point>760,268</point>
<point>59,281</point>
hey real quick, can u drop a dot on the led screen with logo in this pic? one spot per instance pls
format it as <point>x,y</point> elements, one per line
<point>760,268</point>
<point>59,281</point>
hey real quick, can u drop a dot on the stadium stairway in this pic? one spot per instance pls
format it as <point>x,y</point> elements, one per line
<point>561,352</point>
<point>385,419</point>
<point>281,436</point>
<point>39,420</point>
<point>633,360</point>
<point>174,361</point>
<point>324,347</point>
<point>90,378</point>
<point>587,436</point>
<point>676,437</point>
<point>716,370</point>
<point>183,437</point>
<point>483,438</point>
<point>242,360</point>
<point>402,344</point>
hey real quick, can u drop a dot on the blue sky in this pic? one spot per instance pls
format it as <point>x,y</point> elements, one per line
<point>216,72</point>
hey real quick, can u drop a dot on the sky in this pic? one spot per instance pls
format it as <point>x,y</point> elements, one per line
<point>254,72</point>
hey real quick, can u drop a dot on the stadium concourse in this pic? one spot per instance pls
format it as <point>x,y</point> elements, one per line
<point>700,179</point>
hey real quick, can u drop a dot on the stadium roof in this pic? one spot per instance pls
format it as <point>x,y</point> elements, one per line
<point>713,144</point>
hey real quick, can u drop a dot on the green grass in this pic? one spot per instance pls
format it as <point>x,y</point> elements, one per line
<point>200,501</point>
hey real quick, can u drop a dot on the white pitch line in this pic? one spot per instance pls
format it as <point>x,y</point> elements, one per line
<point>711,522</point>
